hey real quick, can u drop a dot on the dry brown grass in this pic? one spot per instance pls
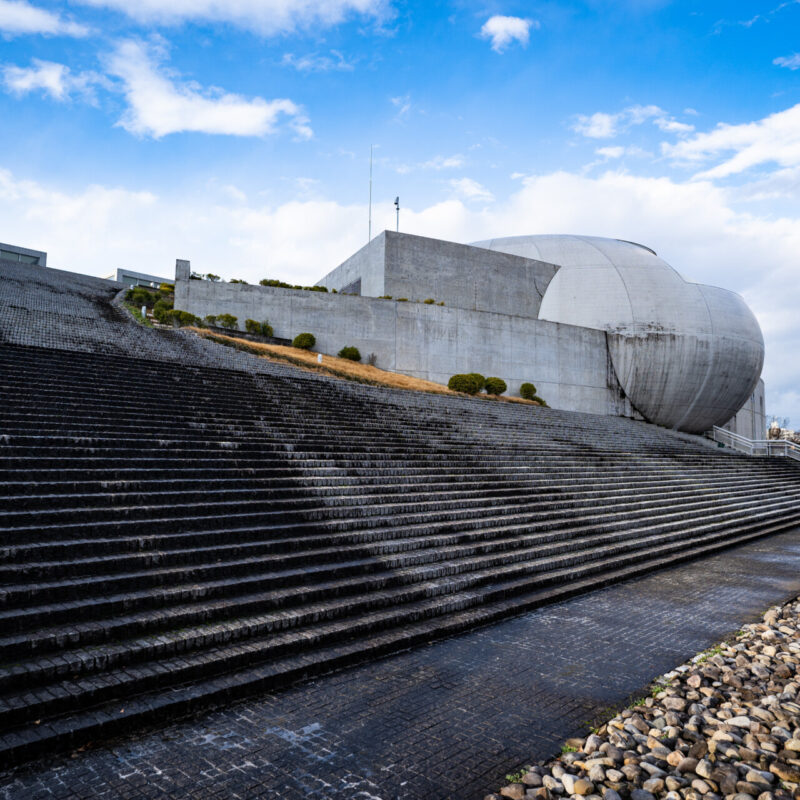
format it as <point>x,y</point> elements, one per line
<point>341,368</point>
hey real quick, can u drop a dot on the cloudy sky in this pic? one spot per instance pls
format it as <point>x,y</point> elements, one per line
<point>236,133</point>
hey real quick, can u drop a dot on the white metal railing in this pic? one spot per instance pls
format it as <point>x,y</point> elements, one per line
<point>756,447</point>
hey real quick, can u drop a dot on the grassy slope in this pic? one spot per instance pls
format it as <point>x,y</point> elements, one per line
<point>338,367</point>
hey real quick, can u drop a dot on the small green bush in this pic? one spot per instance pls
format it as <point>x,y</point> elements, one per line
<point>402,299</point>
<point>305,341</point>
<point>539,400</point>
<point>227,321</point>
<point>350,353</point>
<point>166,288</point>
<point>211,319</point>
<point>180,318</point>
<point>266,329</point>
<point>429,302</point>
<point>212,277</point>
<point>528,391</point>
<point>385,297</point>
<point>495,386</point>
<point>478,377</point>
<point>238,280</point>
<point>161,308</point>
<point>252,326</point>
<point>140,296</point>
<point>469,384</point>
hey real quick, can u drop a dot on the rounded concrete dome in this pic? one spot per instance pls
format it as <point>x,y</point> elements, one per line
<point>686,355</point>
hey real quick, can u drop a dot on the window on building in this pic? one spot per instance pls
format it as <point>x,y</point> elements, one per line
<point>10,255</point>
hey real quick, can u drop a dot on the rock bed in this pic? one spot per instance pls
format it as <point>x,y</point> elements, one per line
<point>724,725</point>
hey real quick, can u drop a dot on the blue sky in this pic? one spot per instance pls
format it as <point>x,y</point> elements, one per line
<point>237,134</point>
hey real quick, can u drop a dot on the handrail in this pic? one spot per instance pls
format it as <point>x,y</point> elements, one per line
<point>756,447</point>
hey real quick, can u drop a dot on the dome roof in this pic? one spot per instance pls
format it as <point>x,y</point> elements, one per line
<point>687,355</point>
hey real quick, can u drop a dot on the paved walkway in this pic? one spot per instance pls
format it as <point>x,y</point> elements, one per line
<point>443,721</point>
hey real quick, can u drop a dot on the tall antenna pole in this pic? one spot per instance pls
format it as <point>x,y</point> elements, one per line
<point>369,234</point>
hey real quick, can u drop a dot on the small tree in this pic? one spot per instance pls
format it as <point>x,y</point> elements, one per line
<point>211,319</point>
<point>305,341</point>
<point>211,277</point>
<point>528,391</point>
<point>251,326</point>
<point>350,353</point>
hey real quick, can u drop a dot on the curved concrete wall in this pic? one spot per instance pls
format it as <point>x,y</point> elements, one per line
<point>688,356</point>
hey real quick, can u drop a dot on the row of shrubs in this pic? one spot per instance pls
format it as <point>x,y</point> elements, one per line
<point>474,382</point>
<point>428,302</point>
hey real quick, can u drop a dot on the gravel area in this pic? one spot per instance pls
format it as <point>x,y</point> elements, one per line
<point>724,725</point>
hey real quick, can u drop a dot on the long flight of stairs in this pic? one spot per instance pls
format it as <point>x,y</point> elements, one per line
<point>176,536</point>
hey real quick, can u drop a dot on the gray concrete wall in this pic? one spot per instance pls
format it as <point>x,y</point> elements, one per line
<point>751,419</point>
<point>461,276</point>
<point>569,365</point>
<point>367,264</point>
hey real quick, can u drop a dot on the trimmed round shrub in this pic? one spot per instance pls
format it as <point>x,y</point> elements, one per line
<point>478,377</point>
<point>305,341</point>
<point>429,302</point>
<point>469,384</point>
<point>495,386</point>
<point>351,353</point>
<point>528,391</point>
<point>227,321</point>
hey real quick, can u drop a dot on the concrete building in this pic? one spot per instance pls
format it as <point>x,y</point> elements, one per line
<point>23,255</point>
<point>129,277</point>
<point>598,325</point>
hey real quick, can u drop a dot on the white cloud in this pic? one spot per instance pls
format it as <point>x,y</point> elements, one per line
<point>470,189</point>
<point>601,125</point>
<point>160,104</point>
<point>610,152</point>
<point>502,31</point>
<point>314,62</point>
<point>267,17</point>
<point>402,104</point>
<point>20,17</point>
<point>790,62</point>
<point>774,139</point>
<point>597,126</point>
<point>51,78</point>
<point>437,163</point>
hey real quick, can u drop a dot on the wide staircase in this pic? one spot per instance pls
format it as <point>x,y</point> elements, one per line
<point>174,536</point>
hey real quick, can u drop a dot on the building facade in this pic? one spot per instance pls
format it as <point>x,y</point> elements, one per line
<point>598,325</point>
